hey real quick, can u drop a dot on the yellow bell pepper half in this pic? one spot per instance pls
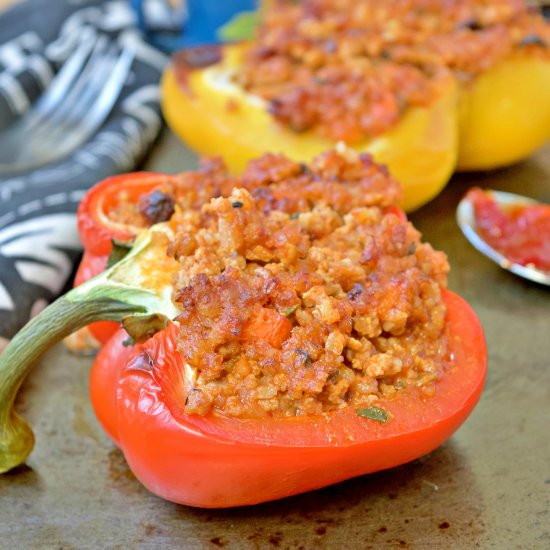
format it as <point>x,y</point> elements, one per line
<point>504,113</point>
<point>215,116</point>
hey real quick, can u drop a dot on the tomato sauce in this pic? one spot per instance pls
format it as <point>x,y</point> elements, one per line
<point>521,233</point>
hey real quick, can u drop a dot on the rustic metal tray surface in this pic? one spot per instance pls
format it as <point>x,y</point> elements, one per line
<point>488,487</point>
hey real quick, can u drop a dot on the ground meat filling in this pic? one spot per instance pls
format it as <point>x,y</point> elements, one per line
<point>348,69</point>
<point>276,182</point>
<point>289,312</point>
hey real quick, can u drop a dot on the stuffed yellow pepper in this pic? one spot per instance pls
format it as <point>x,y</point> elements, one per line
<point>381,77</point>
<point>504,87</point>
<point>499,54</point>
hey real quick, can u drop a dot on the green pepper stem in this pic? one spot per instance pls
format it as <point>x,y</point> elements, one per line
<point>107,297</point>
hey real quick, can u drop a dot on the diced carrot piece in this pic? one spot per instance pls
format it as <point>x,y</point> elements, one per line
<point>268,325</point>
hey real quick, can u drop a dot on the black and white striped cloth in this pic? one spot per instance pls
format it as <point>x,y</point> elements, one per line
<point>39,244</point>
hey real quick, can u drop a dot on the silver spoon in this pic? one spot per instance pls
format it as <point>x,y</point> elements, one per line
<point>467,222</point>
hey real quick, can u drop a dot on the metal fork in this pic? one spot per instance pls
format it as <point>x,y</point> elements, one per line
<point>71,110</point>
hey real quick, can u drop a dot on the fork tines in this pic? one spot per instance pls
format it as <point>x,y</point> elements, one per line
<point>72,108</point>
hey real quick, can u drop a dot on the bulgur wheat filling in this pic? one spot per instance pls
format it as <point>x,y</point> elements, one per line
<point>349,69</point>
<point>276,183</point>
<point>302,290</point>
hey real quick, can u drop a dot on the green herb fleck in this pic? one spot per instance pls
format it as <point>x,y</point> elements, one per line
<point>290,310</point>
<point>118,251</point>
<point>375,413</point>
<point>241,27</point>
<point>294,215</point>
<point>412,249</point>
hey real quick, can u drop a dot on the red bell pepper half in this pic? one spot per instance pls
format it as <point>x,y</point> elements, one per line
<point>97,231</point>
<point>215,461</point>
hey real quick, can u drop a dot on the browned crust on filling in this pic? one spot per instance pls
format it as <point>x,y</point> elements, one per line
<point>277,183</point>
<point>303,288</point>
<point>303,291</point>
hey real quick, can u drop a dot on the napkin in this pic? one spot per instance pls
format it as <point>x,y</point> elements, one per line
<point>39,245</point>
